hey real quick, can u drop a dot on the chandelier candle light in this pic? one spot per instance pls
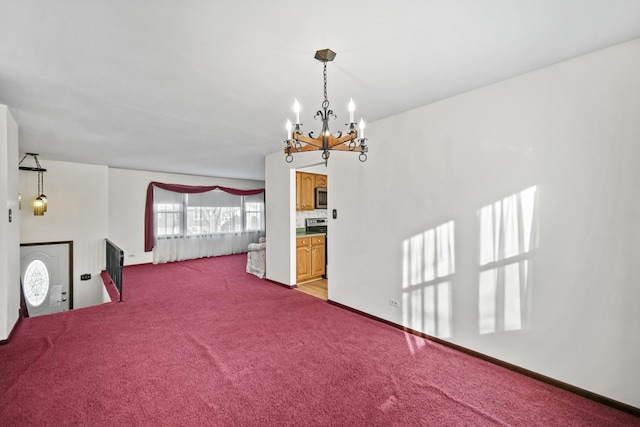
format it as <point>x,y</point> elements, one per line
<point>325,142</point>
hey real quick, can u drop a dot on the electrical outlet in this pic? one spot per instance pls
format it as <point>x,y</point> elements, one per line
<point>85,277</point>
<point>394,302</point>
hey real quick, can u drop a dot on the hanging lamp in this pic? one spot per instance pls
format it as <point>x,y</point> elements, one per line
<point>40,202</point>
<point>325,142</point>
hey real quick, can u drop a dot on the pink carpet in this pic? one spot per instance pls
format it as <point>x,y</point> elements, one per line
<point>203,343</point>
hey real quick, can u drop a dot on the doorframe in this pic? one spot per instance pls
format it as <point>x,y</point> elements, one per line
<point>63,242</point>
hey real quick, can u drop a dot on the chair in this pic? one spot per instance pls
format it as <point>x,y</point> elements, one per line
<point>257,258</point>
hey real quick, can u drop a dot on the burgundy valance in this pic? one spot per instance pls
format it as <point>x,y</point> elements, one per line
<point>185,189</point>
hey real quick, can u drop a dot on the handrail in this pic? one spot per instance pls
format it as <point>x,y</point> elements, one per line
<point>115,262</point>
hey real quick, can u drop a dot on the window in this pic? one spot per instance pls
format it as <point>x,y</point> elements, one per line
<point>169,219</point>
<point>254,212</point>
<point>36,282</point>
<point>187,222</point>
<point>209,213</point>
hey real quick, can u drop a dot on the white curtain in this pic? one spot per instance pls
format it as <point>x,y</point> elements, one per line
<point>191,247</point>
<point>213,223</point>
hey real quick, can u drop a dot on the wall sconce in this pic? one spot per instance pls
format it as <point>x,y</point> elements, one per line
<point>40,202</point>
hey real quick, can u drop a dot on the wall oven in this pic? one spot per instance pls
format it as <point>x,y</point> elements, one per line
<point>321,198</point>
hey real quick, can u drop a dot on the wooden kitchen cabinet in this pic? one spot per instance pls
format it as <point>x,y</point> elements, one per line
<point>303,259</point>
<point>318,263</point>
<point>310,259</point>
<point>321,181</point>
<point>305,188</point>
<point>306,184</point>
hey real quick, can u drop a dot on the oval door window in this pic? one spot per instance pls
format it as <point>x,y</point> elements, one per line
<point>36,282</point>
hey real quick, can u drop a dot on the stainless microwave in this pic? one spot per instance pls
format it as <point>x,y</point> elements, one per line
<point>321,198</point>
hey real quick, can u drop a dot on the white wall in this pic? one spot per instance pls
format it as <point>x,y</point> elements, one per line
<point>77,210</point>
<point>9,231</point>
<point>127,196</point>
<point>572,131</point>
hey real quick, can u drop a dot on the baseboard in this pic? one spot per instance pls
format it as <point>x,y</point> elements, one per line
<point>13,330</point>
<point>280,284</point>
<point>543,378</point>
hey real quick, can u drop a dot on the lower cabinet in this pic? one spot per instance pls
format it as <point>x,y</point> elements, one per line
<point>303,259</point>
<point>318,262</point>
<point>310,260</point>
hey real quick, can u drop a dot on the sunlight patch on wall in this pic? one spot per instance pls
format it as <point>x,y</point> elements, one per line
<point>508,235</point>
<point>428,264</point>
<point>487,301</point>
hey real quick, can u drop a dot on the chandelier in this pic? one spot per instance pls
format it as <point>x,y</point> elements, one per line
<point>40,202</point>
<point>325,142</point>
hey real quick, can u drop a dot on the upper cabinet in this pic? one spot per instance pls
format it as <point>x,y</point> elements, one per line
<point>321,181</point>
<point>305,189</point>
<point>305,184</point>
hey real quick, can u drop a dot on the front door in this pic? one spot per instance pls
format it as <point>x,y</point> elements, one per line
<point>46,277</point>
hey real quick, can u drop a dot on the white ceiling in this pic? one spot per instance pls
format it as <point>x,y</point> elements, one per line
<point>204,87</point>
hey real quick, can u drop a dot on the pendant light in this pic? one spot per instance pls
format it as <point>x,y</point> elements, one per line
<point>41,201</point>
<point>352,140</point>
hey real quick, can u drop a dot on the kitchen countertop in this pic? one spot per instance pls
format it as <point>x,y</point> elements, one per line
<point>310,234</point>
<point>301,232</point>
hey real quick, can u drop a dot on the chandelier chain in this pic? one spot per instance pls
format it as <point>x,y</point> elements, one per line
<point>325,103</point>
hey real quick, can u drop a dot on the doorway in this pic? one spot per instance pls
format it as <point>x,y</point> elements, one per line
<point>317,288</point>
<point>46,271</point>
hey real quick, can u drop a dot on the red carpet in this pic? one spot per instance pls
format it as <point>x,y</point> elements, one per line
<point>203,343</point>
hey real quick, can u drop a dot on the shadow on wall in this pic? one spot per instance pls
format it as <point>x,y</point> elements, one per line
<point>508,236</point>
